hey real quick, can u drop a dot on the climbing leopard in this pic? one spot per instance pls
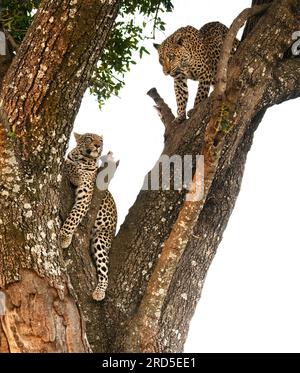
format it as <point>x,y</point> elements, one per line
<point>192,54</point>
<point>81,166</point>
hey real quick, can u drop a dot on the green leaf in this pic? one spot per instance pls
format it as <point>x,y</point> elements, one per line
<point>136,23</point>
<point>143,50</point>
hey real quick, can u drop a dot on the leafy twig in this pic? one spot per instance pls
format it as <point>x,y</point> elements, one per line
<point>155,20</point>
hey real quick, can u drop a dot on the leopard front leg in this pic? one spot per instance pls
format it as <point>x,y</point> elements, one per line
<point>202,93</point>
<point>182,94</point>
<point>83,199</point>
<point>73,172</point>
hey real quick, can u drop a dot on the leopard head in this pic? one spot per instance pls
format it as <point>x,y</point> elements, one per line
<point>176,53</point>
<point>89,145</point>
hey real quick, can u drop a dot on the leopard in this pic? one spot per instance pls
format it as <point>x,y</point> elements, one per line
<point>81,168</point>
<point>193,54</point>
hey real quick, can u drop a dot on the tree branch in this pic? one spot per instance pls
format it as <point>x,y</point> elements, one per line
<point>149,312</point>
<point>188,280</point>
<point>221,76</point>
<point>164,112</point>
<point>285,83</point>
<point>253,20</point>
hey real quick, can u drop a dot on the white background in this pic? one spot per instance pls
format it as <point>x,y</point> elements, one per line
<point>250,301</point>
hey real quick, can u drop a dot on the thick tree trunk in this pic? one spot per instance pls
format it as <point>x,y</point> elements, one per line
<point>40,97</point>
<point>48,302</point>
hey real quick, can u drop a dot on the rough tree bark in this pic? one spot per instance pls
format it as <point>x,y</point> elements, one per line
<point>40,97</point>
<point>49,307</point>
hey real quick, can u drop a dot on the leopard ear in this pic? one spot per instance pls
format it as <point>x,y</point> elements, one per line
<point>77,136</point>
<point>156,46</point>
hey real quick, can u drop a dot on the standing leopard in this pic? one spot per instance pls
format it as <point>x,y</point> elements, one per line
<point>192,54</point>
<point>81,168</point>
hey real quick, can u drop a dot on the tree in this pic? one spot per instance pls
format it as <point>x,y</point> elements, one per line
<point>157,264</point>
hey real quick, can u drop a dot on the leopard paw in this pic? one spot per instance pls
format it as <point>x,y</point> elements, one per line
<point>98,294</point>
<point>65,240</point>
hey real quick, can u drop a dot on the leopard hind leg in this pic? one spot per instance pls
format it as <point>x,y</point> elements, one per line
<point>100,246</point>
<point>102,235</point>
